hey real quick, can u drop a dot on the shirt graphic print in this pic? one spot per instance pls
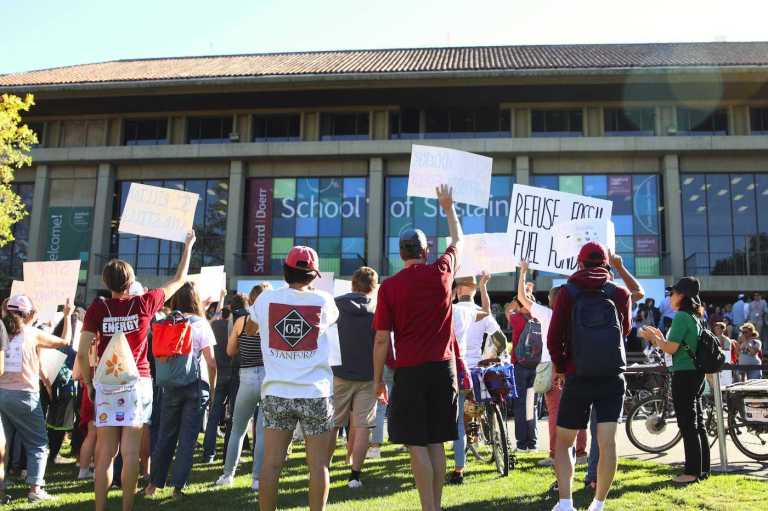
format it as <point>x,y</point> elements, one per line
<point>294,330</point>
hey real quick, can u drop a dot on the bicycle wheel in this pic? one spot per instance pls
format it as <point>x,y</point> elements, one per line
<point>500,445</point>
<point>651,425</point>
<point>750,438</point>
<point>482,440</point>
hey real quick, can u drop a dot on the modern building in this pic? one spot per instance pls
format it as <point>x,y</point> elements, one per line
<point>313,148</point>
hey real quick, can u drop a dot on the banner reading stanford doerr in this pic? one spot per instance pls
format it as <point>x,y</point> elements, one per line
<point>259,235</point>
<point>533,214</point>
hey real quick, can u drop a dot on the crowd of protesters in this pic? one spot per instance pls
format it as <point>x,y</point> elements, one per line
<point>267,363</point>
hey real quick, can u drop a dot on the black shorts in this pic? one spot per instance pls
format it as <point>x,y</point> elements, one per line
<point>423,408</point>
<point>581,394</point>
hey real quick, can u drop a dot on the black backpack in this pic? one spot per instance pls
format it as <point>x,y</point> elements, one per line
<point>708,357</point>
<point>597,340</point>
<point>529,345</point>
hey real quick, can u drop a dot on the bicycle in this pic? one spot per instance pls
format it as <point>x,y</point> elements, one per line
<point>486,430</point>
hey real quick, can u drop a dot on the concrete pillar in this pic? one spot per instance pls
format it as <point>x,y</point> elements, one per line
<point>376,214</point>
<point>102,226</point>
<point>233,243</point>
<point>522,169</point>
<point>38,225</point>
<point>673,214</point>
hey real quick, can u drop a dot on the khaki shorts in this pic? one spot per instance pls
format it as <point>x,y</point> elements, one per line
<point>354,402</point>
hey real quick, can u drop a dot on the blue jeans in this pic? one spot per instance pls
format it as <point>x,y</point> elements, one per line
<point>181,419</point>
<point>525,430</point>
<point>225,390</point>
<point>381,410</point>
<point>246,403</point>
<point>594,449</point>
<point>22,416</point>
<point>460,444</point>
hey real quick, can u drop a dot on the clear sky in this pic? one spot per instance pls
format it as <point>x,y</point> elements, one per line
<point>39,34</point>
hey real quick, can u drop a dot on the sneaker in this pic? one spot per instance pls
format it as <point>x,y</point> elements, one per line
<point>39,496</point>
<point>546,462</point>
<point>456,478</point>
<point>374,453</point>
<point>85,475</point>
<point>354,483</point>
<point>225,480</point>
<point>61,460</point>
<point>524,449</point>
<point>582,460</point>
<point>255,485</point>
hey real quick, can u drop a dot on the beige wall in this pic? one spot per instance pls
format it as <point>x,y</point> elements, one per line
<point>180,170</point>
<point>724,163</point>
<point>303,168</point>
<point>594,164</point>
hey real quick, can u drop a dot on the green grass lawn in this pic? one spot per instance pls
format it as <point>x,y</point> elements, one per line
<point>388,486</point>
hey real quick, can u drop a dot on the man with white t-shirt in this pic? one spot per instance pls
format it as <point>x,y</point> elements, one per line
<point>298,381</point>
<point>552,397</point>
<point>470,324</point>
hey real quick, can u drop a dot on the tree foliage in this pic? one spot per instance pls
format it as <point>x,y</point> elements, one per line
<point>16,139</point>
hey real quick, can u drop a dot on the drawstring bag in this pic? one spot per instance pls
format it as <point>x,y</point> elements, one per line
<point>117,366</point>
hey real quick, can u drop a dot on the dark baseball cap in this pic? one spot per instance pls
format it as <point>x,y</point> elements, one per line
<point>413,241</point>
<point>593,252</point>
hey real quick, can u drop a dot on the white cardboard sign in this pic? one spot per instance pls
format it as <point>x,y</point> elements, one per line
<point>158,212</point>
<point>49,284</point>
<point>209,282</point>
<point>324,282</point>
<point>533,216</point>
<point>341,287</point>
<point>50,363</point>
<point>469,174</point>
<point>571,236</point>
<point>488,252</point>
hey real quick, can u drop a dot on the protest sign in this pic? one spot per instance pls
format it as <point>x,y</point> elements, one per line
<point>534,214</point>
<point>158,212</point>
<point>469,174</point>
<point>209,282</point>
<point>50,363</point>
<point>569,237</point>
<point>49,284</point>
<point>488,252</point>
<point>341,287</point>
<point>244,286</point>
<point>324,282</point>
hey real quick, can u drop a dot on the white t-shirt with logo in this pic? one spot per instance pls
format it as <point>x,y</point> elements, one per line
<point>463,317</point>
<point>544,315</point>
<point>472,350</point>
<point>294,343</point>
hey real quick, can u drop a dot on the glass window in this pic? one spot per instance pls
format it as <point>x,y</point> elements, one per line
<point>636,213</point>
<point>403,212</point>
<point>209,130</point>
<point>13,255</point>
<point>702,122</point>
<point>160,257</point>
<point>724,231</point>
<point>39,129</point>
<point>405,124</point>
<point>758,120</point>
<point>451,123</point>
<point>344,126</point>
<point>145,131</point>
<point>630,121</point>
<point>557,123</point>
<point>277,128</point>
<point>328,214</point>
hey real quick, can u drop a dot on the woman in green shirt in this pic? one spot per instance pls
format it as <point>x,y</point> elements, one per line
<point>687,381</point>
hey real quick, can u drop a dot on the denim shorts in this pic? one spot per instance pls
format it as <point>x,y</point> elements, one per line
<point>314,414</point>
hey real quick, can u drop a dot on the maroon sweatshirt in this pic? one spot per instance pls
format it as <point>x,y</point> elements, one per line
<point>559,336</point>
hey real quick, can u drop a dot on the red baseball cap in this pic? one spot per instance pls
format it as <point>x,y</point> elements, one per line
<point>303,258</point>
<point>593,252</point>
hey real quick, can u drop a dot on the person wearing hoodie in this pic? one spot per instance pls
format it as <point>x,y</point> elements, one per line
<point>581,393</point>
<point>354,395</point>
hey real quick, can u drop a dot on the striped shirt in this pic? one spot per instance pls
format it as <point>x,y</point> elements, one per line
<point>250,350</point>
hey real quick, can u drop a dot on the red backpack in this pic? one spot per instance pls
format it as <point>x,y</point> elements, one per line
<point>172,336</point>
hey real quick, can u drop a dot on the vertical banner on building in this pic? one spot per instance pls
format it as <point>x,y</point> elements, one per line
<point>69,234</point>
<point>259,235</point>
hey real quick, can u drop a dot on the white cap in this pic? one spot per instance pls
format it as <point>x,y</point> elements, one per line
<point>20,303</point>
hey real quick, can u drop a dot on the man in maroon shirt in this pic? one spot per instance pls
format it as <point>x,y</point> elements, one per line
<point>415,304</point>
<point>580,393</point>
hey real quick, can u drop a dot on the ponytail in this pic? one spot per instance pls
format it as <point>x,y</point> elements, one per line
<point>14,323</point>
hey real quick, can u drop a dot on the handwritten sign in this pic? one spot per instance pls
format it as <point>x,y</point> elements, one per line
<point>341,287</point>
<point>571,236</point>
<point>534,214</point>
<point>209,282</point>
<point>486,252</point>
<point>158,212</point>
<point>49,284</point>
<point>469,174</point>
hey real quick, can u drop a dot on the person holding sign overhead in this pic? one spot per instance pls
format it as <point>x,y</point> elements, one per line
<point>20,386</point>
<point>415,304</point>
<point>122,412</point>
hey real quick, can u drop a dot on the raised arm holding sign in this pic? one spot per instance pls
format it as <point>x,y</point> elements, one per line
<point>158,212</point>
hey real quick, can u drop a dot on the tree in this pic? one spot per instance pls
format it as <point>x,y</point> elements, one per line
<point>16,139</point>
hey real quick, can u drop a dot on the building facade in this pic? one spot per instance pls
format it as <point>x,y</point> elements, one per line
<point>313,148</point>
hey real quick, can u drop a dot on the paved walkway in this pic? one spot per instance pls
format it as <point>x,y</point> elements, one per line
<point>737,462</point>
